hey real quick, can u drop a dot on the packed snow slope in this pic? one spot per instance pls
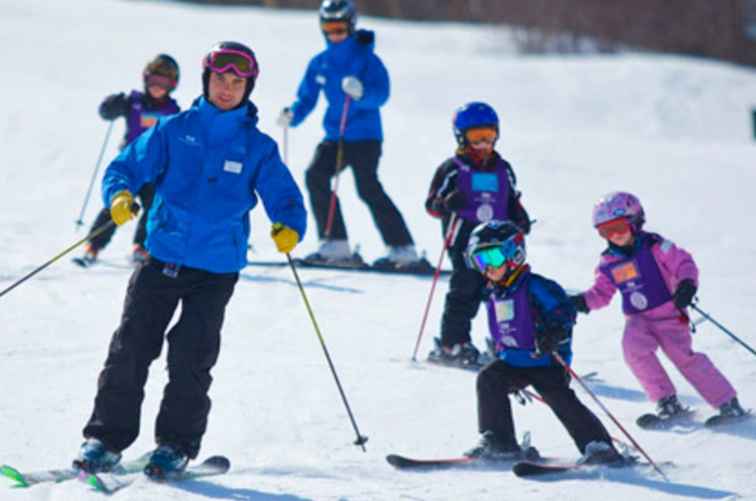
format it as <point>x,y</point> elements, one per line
<point>673,130</point>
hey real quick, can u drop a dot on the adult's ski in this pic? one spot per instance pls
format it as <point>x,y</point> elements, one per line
<point>422,269</point>
<point>109,483</point>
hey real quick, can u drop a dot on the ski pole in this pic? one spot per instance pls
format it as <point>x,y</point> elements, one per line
<point>561,361</point>
<point>451,235</point>
<point>361,439</point>
<point>339,161</point>
<point>723,329</point>
<point>80,222</point>
<point>286,145</point>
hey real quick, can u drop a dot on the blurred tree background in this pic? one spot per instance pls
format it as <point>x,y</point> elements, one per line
<point>722,29</point>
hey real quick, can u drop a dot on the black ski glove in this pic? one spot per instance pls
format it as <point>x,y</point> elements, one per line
<point>683,296</point>
<point>114,106</point>
<point>578,301</point>
<point>548,341</point>
<point>455,201</point>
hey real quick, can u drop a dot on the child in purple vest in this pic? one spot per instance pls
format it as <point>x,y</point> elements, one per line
<point>474,186</point>
<point>657,281</point>
<point>141,111</point>
<point>530,318</point>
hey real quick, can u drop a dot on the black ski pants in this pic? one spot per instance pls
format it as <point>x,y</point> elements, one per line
<point>146,194</point>
<point>465,292</point>
<point>363,157</point>
<point>497,379</point>
<point>193,346</point>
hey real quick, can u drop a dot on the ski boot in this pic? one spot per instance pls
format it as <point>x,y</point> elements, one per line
<point>464,355</point>
<point>492,448</point>
<point>335,253</point>
<point>404,258</point>
<point>668,410</point>
<point>89,258</point>
<point>729,411</point>
<point>600,452</point>
<point>166,461</point>
<point>95,458</point>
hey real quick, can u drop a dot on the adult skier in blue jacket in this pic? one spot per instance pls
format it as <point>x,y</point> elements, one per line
<point>209,164</point>
<point>356,84</point>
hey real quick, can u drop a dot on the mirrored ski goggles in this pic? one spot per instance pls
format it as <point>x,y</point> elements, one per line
<point>334,28</point>
<point>223,60</point>
<point>496,257</point>
<point>161,81</point>
<point>618,226</point>
<point>481,136</point>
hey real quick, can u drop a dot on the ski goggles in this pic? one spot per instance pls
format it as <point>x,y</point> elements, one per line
<point>481,136</point>
<point>223,60</point>
<point>161,81</point>
<point>507,253</point>
<point>334,28</point>
<point>618,226</point>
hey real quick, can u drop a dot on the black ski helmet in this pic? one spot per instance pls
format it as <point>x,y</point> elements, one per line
<point>339,10</point>
<point>496,233</point>
<point>231,46</point>
<point>163,65</point>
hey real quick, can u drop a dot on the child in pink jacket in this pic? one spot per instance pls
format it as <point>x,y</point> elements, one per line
<point>657,281</point>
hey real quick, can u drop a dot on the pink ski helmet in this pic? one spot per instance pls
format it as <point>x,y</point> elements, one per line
<point>619,204</point>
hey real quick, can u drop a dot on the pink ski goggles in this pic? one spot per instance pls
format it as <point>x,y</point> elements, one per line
<point>223,60</point>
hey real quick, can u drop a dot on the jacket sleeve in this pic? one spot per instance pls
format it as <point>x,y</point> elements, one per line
<point>307,94</point>
<point>280,194</point>
<point>555,310</point>
<point>433,202</point>
<point>676,264</point>
<point>602,291</point>
<point>138,163</point>
<point>376,85</point>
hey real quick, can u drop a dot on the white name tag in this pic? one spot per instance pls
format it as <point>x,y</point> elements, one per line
<point>233,167</point>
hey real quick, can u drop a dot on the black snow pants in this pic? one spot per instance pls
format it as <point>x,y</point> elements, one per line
<point>363,157</point>
<point>497,380</point>
<point>193,347</point>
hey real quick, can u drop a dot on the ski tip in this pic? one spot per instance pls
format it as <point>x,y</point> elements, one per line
<point>396,460</point>
<point>15,475</point>
<point>220,462</point>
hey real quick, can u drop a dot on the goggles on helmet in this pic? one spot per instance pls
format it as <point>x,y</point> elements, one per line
<point>618,226</point>
<point>481,136</point>
<point>334,28</point>
<point>161,81</point>
<point>223,60</point>
<point>507,253</point>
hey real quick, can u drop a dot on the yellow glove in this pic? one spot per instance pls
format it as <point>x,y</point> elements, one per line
<point>284,237</point>
<point>120,207</point>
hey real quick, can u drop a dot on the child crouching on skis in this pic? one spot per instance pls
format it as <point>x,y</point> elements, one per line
<point>658,281</point>
<point>530,317</point>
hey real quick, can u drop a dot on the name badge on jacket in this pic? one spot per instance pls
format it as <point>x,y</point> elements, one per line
<point>233,167</point>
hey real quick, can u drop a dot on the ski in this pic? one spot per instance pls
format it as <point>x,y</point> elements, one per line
<point>720,420</point>
<point>460,462</point>
<point>654,422</point>
<point>423,269</point>
<point>29,478</point>
<point>109,483</point>
<point>551,467</point>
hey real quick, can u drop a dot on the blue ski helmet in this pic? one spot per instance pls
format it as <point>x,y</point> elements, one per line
<point>472,115</point>
<point>338,10</point>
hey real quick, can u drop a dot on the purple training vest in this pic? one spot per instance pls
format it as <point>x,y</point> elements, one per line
<point>139,119</point>
<point>510,320</point>
<point>639,280</point>
<point>487,193</point>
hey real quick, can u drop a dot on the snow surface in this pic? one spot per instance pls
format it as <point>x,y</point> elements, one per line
<point>674,130</point>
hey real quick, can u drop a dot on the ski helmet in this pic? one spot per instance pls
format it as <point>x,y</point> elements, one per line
<point>239,59</point>
<point>619,204</point>
<point>338,10</point>
<point>473,115</point>
<point>164,66</point>
<point>505,242</point>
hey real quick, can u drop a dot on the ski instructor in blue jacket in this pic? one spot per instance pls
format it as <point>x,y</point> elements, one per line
<point>209,165</point>
<point>353,80</point>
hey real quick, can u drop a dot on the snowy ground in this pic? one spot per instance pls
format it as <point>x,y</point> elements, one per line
<point>674,130</point>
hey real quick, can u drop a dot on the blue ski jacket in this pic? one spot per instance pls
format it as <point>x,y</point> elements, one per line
<point>209,166</point>
<point>352,57</point>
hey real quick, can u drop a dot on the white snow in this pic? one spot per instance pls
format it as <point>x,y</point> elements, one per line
<point>674,130</point>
